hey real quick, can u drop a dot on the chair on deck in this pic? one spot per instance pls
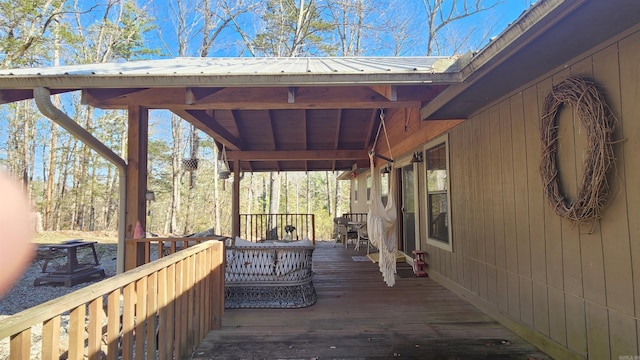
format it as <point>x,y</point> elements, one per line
<point>342,230</point>
<point>363,238</point>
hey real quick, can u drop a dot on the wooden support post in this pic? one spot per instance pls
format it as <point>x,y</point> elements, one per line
<point>137,177</point>
<point>235,205</point>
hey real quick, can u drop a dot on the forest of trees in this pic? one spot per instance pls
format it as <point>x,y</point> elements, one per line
<point>75,189</point>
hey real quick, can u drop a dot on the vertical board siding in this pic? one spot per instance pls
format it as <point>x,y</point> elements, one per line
<point>513,168</point>
<point>629,95</point>
<point>534,197</point>
<point>553,223</point>
<point>576,326</point>
<point>540,308</point>
<point>597,321</point>
<point>577,285</point>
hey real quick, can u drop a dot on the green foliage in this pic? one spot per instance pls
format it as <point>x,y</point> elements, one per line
<point>84,193</point>
<point>293,30</point>
<point>24,29</point>
<point>120,36</point>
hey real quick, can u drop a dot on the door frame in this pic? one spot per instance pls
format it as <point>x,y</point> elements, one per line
<point>397,167</point>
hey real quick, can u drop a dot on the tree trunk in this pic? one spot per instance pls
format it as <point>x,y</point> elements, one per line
<point>69,148</point>
<point>52,163</point>
<point>328,192</point>
<point>176,175</point>
<point>191,195</point>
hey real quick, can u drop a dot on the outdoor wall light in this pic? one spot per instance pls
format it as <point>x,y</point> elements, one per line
<point>386,169</point>
<point>150,195</point>
<point>417,157</point>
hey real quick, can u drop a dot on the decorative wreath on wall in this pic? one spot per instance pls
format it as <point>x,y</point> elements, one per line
<point>598,120</point>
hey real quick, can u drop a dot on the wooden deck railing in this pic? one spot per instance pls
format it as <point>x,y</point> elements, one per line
<point>355,216</point>
<point>160,246</point>
<point>256,227</point>
<point>160,310</point>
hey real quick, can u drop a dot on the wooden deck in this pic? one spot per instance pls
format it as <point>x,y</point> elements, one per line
<point>358,317</point>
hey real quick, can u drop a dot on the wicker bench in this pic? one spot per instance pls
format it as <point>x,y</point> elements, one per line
<point>269,275</point>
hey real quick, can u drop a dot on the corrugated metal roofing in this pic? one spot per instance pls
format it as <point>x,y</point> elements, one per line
<point>252,66</point>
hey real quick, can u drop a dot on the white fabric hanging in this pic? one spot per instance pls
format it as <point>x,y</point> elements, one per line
<point>382,226</point>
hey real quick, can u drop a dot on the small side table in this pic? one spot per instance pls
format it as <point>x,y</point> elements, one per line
<point>73,271</point>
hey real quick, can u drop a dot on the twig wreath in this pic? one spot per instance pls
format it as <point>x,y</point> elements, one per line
<point>598,120</point>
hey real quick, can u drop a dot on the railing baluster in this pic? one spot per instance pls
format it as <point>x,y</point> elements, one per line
<point>76,332</point>
<point>171,298</point>
<point>95,328</point>
<point>141,315</point>
<point>152,308</point>
<point>262,226</point>
<point>147,306</point>
<point>20,345</point>
<point>51,339</point>
<point>113,323</point>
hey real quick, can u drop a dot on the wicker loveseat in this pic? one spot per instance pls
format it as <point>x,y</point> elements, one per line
<point>269,275</point>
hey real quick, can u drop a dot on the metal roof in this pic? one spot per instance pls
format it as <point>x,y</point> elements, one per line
<point>279,114</point>
<point>252,66</point>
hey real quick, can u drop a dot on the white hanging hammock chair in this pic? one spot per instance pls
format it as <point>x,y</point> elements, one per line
<point>382,224</point>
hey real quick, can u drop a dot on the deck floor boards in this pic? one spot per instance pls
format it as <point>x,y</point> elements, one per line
<point>358,317</point>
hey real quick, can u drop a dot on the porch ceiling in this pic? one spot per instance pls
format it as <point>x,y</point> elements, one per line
<point>288,114</point>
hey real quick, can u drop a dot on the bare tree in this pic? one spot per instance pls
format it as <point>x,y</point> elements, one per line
<point>442,13</point>
<point>291,29</point>
<point>353,24</point>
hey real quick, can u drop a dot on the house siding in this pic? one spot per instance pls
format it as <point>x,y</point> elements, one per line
<point>578,286</point>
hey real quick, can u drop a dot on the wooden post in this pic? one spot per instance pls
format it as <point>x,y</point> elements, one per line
<point>235,204</point>
<point>137,177</point>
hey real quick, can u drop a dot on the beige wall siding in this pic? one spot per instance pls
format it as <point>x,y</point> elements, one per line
<point>579,286</point>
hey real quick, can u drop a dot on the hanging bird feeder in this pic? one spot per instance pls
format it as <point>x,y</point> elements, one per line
<point>224,172</point>
<point>190,164</point>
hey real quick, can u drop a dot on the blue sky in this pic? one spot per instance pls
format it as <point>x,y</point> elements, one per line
<point>229,43</point>
<point>499,17</point>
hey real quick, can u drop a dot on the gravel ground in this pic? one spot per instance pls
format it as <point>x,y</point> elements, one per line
<point>25,295</point>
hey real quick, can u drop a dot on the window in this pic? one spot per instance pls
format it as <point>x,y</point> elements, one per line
<point>355,189</point>
<point>369,188</point>
<point>437,175</point>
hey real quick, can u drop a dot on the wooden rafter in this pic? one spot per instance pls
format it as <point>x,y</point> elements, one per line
<point>297,155</point>
<point>209,126</point>
<point>194,94</point>
<point>306,136</point>
<point>291,98</point>
<point>108,98</point>
<point>354,97</point>
<point>18,95</point>
<point>373,126</point>
<point>390,92</point>
<point>272,132</point>
<point>336,142</point>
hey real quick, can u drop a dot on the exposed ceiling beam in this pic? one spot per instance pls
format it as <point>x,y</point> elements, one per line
<point>390,92</point>
<point>285,155</point>
<point>336,143</point>
<point>209,126</point>
<point>305,144</point>
<point>353,97</point>
<point>372,125</point>
<point>18,95</point>
<point>97,97</point>
<point>272,132</point>
<point>291,98</point>
<point>194,94</point>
